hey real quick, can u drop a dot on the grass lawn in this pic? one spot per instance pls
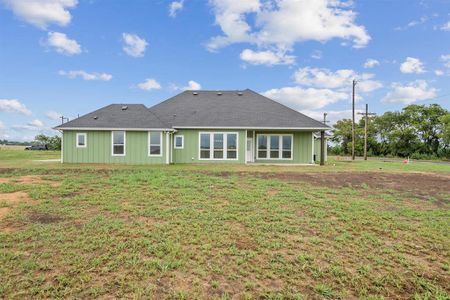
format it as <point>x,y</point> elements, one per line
<point>360,229</point>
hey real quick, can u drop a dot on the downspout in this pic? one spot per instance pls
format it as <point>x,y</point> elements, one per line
<point>62,145</point>
<point>167,147</point>
<point>245,141</point>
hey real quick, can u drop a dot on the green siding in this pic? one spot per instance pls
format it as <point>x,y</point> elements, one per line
<point>317,149</point>
<point>190,152</point>
<point>99,150</point>
<point>302,148</point>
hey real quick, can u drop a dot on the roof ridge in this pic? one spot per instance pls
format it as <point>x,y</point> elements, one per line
<point>159,119</point>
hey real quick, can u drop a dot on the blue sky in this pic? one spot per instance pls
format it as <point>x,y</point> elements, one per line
<point>70,57</point>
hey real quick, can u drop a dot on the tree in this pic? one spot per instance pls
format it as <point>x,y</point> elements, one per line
<point>342,135</point>
<point>445,120</point>
<point>52,142</point>
<point>426,123</point>
<point>421,131</point>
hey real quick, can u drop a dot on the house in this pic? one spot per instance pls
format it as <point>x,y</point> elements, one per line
<point>193,127</point>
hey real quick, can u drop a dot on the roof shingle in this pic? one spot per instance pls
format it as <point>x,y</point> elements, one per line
<point>246,109</point>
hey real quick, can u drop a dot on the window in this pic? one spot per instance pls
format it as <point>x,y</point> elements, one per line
<point>262,146</point>
<point>81,140</point>
<point>218,146</point>
<point>287,147</point>
<point>118,143</point>
<point>274,146</point>
<point>205,146</point>
<point>232,146</point>
<point>179,142</point>
<point>154,138</point>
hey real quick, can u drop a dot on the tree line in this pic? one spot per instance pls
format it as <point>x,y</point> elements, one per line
<point>417,131</point>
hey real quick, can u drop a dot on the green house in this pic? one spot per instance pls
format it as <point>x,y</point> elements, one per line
<point>193,127</point>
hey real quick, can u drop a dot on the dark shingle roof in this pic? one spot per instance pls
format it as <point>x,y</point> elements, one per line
<point>114,116</point>
<point>246,109</point>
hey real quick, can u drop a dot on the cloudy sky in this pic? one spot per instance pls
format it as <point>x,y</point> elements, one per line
<point>69,57</point>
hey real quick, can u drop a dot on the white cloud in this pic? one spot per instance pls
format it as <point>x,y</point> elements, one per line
<point>370,63</point>
<point>438,72</point>
<point>317,54</point>
<point>63,44</point>
<point>268,58</point>
<point>2,125</point>
<point>446,60</point>
<point>32,125</point>
<point>174,7</point>
<point>134,45</point>
<point>41,13</point>
<point>85,75</point>
<point>192,85</point>
<point>413,23</point>
<point>412,65</point>
<point>53,115</point>
<point>411,92</point>
<point>446,26</point>
<point>13,105</point>
<point>149,84</point>
<point>340,79</point>
<point>284,23</point>
<point>305,98</point>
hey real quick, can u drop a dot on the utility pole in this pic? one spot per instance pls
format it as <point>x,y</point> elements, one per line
<point>366,128</point>
<point>64,118</point>
<point>325,118</point>
<point>353,120</point>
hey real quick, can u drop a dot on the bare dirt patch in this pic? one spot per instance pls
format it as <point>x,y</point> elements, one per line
<point>422,185</point>
<point>44,218</point>
<point>12,200</point>
<point>30,179</point>
<point>15,197</point>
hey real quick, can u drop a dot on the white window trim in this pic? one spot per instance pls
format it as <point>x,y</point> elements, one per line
<point>124,143</point>
<point>160,144</point>
<point>85,139</point>
<point>280,144</point>
<point>175,141</point>
<point>211,144</point>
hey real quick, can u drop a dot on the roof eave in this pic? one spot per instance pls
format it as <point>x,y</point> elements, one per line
<point>112,128</point>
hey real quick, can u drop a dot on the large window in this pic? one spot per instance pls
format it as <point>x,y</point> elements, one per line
<point>118,143</point>
<point>81,140</point>
<point>274,146</point>
<point>218,145</point>
<point>154,143</point>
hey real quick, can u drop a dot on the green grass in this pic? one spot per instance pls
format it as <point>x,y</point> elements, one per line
<point>189,232</point>
<point>30,159</point>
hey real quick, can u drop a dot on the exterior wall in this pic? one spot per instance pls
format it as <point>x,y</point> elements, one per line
<point>317,149</point>
<point>99,148</point>
<point>190,152</point>
<point>302,148</point>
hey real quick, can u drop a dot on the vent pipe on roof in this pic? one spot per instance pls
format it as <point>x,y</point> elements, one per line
<point>195,93</point>
<point>124,107</point>
<point>95,117</point>
<point>240,93</point>
<point>219,93</point>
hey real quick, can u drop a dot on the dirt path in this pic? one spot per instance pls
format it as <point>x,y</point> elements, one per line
<point>420,184</point>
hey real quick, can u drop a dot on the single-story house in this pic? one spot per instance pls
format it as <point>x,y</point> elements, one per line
<point>193,127</point>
